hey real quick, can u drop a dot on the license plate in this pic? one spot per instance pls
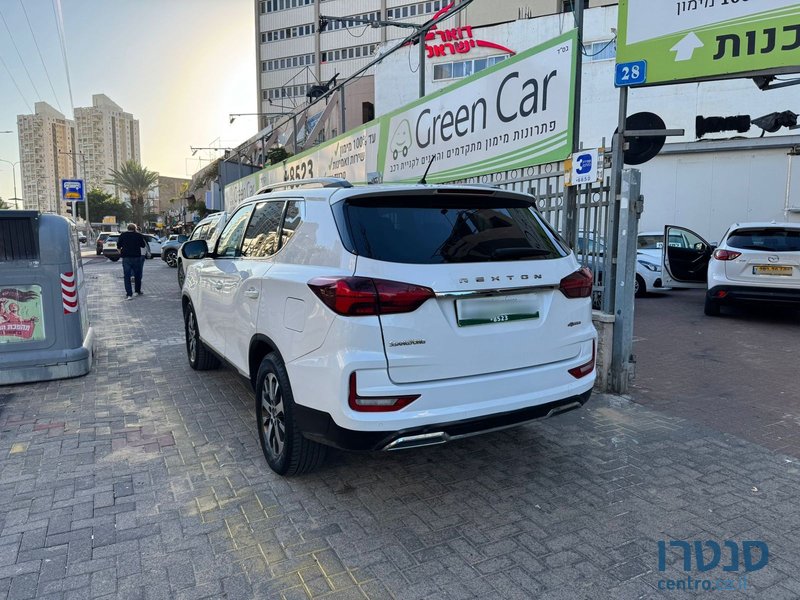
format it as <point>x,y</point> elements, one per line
<point>772,270</point>
<point>496,309</point>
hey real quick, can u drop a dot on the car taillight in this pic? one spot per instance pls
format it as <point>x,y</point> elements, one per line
<point>376,403</point>
<point>726,254</point>
<point>586,368</point>
<point>359,296</point>
<point>578,284</point>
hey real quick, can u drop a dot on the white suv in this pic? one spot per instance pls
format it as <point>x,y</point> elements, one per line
<point>754,262</point>
<point>389,317</point>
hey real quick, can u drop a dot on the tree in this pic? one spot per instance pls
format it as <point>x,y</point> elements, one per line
<point>103,204</point>
<point>136,181</point>
<point>277,154</point>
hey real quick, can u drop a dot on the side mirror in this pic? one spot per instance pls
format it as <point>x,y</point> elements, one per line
<point>700,247</point>
<point>194,250</point>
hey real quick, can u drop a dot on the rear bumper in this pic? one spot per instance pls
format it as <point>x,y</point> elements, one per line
<point>111,253</point>
<point>318,426</point>
<point>725,294</point>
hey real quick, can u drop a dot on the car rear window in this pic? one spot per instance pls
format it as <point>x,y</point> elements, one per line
<point>435,229</point>
<point>769,239</point>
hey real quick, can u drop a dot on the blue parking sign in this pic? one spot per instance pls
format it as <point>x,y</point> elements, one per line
<point>72,190</point>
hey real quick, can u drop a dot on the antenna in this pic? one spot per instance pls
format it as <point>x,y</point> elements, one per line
<point>428,168</point>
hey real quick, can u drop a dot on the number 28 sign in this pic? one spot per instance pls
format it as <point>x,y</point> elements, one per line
<point>630,73</point>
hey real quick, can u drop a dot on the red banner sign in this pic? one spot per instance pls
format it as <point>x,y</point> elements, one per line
<point>457,40</point>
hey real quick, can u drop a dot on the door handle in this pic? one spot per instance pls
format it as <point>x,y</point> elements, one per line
<point>251,293</point>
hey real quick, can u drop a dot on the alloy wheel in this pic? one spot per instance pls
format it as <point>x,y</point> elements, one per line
<point>191,337</point>
<point>172,259</point>
<point>273,419</point>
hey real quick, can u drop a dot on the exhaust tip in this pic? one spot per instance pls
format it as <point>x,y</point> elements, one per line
<point>562,409</point>
<point>418,441</point>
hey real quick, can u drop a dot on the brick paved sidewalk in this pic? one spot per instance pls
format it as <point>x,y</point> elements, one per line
<point>145,480</point>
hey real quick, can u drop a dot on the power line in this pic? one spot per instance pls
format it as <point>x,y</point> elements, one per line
<point>10,74</point>
<point>60,25</point>
<point>24,66</point>
<point>52,89</point>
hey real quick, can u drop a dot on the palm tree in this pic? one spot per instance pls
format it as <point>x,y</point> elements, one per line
<point>136,181</point>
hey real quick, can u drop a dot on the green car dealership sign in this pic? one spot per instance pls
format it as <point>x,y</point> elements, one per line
<point>672,41</point>
<point>515,114</point>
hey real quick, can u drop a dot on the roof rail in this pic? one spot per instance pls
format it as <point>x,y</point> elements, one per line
<point>328,182</point>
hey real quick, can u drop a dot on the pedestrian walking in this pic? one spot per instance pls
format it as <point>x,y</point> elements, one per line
<point>132,246</point>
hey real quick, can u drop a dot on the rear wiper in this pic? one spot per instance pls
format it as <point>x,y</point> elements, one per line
<point>506,253</point>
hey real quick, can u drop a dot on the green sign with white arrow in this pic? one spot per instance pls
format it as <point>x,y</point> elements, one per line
<point>696,40</point>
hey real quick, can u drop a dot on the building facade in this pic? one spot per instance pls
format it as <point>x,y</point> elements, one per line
<point>167,194</point>
<point>46,152</point>
<point>106,137</point>
<point>295,53</point>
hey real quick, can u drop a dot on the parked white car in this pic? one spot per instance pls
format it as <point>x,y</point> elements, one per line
<point>648,259</point>
<point>755,263</point>
<point>208,229</point>
<point>390,317</point>
<point>111,252</point>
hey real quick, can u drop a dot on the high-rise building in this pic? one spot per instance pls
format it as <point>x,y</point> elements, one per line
<point>46,151</point>
<point>106,137</point>
<point>52,147</point>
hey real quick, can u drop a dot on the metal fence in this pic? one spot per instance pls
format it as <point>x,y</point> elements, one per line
<point>546,184</point>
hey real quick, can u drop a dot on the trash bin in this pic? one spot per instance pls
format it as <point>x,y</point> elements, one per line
<point>44,324</point>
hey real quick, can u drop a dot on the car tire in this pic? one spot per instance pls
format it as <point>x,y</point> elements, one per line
<point>711,307</point>
<point>113,258</point>
<point>200,357</point>
<point>171,258</point>
<point>181,275</point>
<point>286,450</point>
<point>639,287</point>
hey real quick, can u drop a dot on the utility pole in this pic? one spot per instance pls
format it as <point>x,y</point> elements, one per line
<point>571,223</point>
<point>13,172</point>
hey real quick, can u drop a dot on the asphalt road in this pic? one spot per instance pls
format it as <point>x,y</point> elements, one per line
<point>737,373</point>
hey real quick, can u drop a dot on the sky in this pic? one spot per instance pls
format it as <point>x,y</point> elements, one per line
<point>179,66</point>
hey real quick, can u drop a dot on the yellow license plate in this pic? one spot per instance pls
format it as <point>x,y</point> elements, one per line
<point>772,270</point>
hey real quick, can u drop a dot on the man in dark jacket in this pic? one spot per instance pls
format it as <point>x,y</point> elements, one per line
<point>132,245</point>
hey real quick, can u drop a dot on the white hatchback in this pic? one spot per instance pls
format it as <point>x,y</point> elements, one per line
<point>390,317</point>
<point>755,263</point>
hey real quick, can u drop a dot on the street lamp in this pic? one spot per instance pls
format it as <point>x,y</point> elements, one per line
<point>233,116</point>
<point>13,172</point>
<point>195,149</point>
